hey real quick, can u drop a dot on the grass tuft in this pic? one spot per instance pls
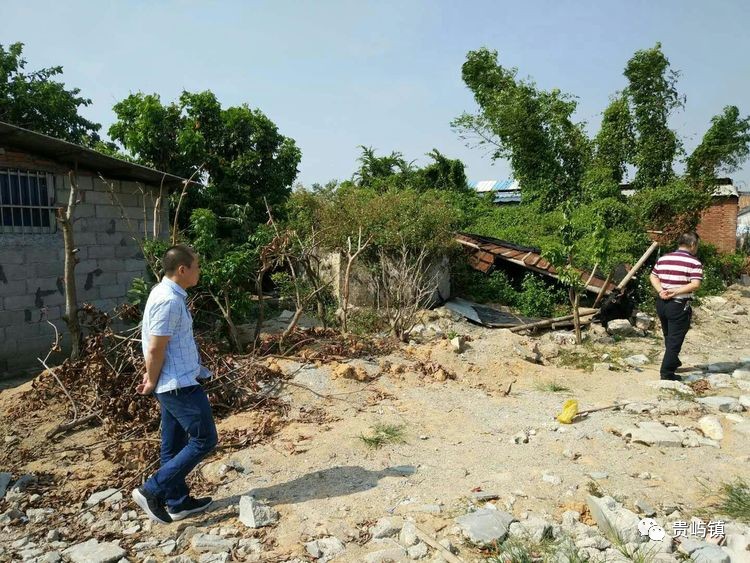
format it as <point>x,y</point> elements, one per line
<point>734,500</point>
<point>384,434</point>
<point>552,387</point>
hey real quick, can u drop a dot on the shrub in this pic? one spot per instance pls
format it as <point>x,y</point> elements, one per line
<point>539,298</point>
<point>719,270</point>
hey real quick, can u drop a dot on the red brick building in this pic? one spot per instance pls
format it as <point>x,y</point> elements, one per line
<point>718,224</point>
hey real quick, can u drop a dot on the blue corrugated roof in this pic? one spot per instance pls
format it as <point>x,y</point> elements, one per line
<point>505,191</point>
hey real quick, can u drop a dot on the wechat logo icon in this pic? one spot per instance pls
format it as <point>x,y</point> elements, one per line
<point>649,527</point>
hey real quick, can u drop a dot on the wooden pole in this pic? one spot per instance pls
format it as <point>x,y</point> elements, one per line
<point>634,270</point>
<point>549,322</point>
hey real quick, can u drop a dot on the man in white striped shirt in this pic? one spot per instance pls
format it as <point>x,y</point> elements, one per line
<point>675,278</point>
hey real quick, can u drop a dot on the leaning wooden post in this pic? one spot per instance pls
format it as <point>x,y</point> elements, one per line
<point>65,216</point>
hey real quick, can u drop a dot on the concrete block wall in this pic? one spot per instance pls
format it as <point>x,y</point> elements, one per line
<point>718,224</point>
<point>32,266</point>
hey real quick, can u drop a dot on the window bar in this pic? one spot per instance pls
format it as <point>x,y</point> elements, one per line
<point>2,213</point>
<point>12,214</point>
<point>39,209</point>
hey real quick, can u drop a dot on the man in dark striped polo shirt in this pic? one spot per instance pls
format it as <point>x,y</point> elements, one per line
<point>675,278</point>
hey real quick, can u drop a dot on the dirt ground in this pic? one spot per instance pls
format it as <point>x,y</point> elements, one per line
<point>459,438</point>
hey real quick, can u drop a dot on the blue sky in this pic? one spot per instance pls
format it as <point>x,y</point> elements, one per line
<point>337,74</point>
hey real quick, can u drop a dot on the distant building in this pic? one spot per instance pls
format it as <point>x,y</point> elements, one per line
<point>505,191</point>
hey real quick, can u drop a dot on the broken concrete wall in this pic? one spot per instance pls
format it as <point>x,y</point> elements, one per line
<point>32,265</point>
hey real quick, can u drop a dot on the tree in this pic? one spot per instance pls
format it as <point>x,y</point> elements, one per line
<point>653,95</point>
<point>533,128</point>
<point>615,141</point>
<point>725,146</point>
<point>246,160</point>
<point>36,101</point>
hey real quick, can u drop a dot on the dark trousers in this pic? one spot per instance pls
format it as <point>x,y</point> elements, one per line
<point>675,322</point>
<point>188,434</point>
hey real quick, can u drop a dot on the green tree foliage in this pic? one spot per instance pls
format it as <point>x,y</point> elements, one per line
<point>533,128</point>
<point>245,158</point>
<point>615,141</point>
<point>36,101</point>
<point>724,147</point>
<point>653,95</point>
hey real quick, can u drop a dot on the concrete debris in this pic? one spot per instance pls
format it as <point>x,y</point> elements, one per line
<point>418,551</point>
<point>653,433</point>
<point>644,321</point>
<point>94,552</point>
<point>387,552</point>
<point>211,543</point>
<point>719,380</point>
<point>325,549</point>
<point>672,385</point>
<point>614,520</point>
<point>255,514</point>
<point>385,528</point>
<point>721,404</point>
<point>458,344</point>
<point>620,327</point>
<point>637,361</point>
<point>643,507</point>
<point>743,374</point>
<point>485,526</point>
<point>711,427</point>
<point>408,535</point>
<point>109,496</point>
<point>563,338</point>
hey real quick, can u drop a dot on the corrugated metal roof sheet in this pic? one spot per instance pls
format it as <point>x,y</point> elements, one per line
<point>485,251</point>
<point>57,150</point>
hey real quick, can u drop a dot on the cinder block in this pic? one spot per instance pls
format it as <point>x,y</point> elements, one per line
<point>107,212</point>
<point>99,196</point>
<point>106,305</point>
<point>36,254</point>
<point>133,265</point>
<point>13,288</point>
<point>11,318</point>
<point>128,252</point>
<point>101,251</point>
<point>12,257</point>
<point>126,278</point>
<point>18,302</point>
<point>113,291</point>
<point>53,268</point>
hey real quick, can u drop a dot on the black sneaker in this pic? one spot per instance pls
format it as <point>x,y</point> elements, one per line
<point>151,506</point>
<point>671,378</point>
<point>190,506</point>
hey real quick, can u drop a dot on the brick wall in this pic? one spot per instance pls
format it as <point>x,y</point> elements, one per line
<point>718,224</point>
<point>31,266</point>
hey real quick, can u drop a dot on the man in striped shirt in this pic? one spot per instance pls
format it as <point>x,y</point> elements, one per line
<point>675,278</point>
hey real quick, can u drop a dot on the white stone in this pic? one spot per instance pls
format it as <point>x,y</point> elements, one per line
<point>408,535</point>
<point>711,427</point>
<point>485,526</point>
<point>457,344</point>
<point>643,321</point>
<point>325,549</point>
<point>722,404</point>
<point>614,520</point>
<point>418,551</point>
<point>202,543</point>
<point>94,552</point>
<point>385,528</point>
<point>742,374</point>
<point>551,479</point>
<point>637,360</point>
<point>255,514</point>
<point>620,327</point>
<point>653,433</point>
<point>109,495</point>
<point>674,385</point>
<point>719,380</point>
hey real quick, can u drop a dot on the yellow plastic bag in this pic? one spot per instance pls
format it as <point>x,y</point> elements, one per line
<point>569,411</point>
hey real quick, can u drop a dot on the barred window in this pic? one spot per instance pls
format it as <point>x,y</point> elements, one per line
<point>27,201</point>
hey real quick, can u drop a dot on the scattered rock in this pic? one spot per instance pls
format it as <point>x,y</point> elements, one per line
<point>385,528</point>
<point>571,454</point>
<point>673,385</point>
<point>211,543</point>
<point>599,475</point>
<point>255,514</point>
<point>711,427</point>
<point>639,408</point>
<point>551,479</point>
<point>620,327</point>
<point>563,338</point>
<point>644,321</point>
<point>529,354</point>
<point>535,529</point>
<point>388,552</point>
<point>549,350</point>
<point>325,549</point>
<point>722,404</point>
<point>485,526</point>
<point>744,400</point>
<point>742,374</point>
<point>653,433</point>
<point>39,515</point>
<point>719,380</point>
<point>602,366</point>
<point>418,551</point>
<point>637,361</point>
<point>94,552</point>
<point>408,535</point>
<point>721,367</point>
<point>109,495</point>
<point>643,507</point>
<point>614,520</point>
<point>344,370</point>
<point>457,344</point>
<point>520,438</point>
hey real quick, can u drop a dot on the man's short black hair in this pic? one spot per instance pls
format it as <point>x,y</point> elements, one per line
<point>176,256</point>
<point>688,239</point>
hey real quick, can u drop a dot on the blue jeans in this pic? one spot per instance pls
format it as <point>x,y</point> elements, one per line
<point>188,434</point>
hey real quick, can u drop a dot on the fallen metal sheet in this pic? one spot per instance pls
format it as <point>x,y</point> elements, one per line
<point>486,316</point>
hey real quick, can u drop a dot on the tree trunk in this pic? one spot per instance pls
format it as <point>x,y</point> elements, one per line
<point>65,216</point>
<point>574,298</point>
<point>233,334</point>
<point>261,305</point>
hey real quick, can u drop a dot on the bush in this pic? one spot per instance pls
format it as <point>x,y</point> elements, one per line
<point>483,288</point>
<point>539,298</point>
<point>719,270</point>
